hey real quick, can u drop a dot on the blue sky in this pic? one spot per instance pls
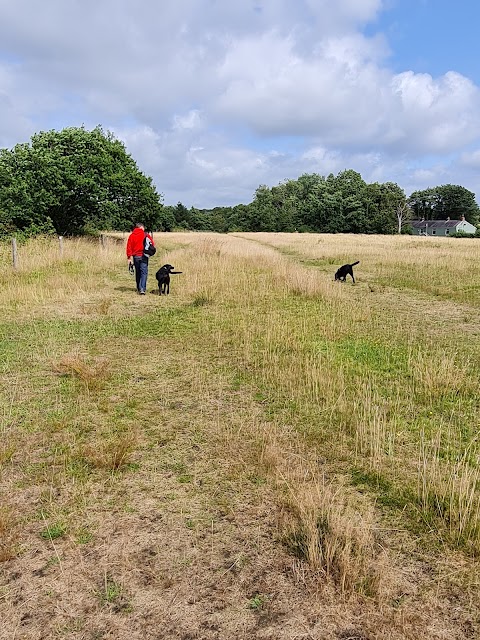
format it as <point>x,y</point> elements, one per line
<point>433,36</point>
<point>214,97</point>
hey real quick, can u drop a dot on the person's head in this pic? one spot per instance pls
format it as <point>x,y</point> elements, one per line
<point>140,225</point>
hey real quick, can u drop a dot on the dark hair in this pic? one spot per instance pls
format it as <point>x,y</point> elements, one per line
<point>140,225</point>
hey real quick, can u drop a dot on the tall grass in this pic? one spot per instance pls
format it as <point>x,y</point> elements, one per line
<point>46,275</point>
<point>440,267</point>
<point>449,492</point>
<point>362,375</point>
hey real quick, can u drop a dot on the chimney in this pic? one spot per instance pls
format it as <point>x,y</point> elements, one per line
<point>448,219</point>
<point>462,218</point>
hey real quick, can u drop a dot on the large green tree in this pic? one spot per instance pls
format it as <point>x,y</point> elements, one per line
<point>74,181</point>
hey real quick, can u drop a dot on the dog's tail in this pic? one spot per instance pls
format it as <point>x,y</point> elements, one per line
<point>357,262</point>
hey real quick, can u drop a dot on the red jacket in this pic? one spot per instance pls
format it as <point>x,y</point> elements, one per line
<point>135,242</point>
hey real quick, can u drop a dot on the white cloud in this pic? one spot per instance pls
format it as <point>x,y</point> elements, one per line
<point>471,159</point>
<point>209,95</point>
<point>192,120</point>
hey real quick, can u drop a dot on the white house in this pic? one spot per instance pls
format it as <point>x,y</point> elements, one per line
<point>441,227</point>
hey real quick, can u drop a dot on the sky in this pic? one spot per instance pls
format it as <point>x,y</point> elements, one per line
<point>214,98</point>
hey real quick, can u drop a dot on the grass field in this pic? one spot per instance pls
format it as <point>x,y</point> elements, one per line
<point>265,453</point>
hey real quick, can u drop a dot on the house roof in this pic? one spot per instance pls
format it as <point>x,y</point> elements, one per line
<point>435,224</point>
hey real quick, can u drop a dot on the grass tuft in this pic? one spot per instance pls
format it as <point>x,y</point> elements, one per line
<point>115,454</point>
<point>326,530</point>
<point>9,534</point>
<point>92,375</point>
<point>201,300</point>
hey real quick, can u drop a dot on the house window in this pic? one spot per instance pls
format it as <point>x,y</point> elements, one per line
<point>434,231</point>
<point>447,231</point>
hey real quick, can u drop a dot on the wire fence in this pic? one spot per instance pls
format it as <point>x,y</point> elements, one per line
<point>15,252</point>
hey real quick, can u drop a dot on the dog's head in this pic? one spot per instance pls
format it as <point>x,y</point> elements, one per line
<point>166,269</point>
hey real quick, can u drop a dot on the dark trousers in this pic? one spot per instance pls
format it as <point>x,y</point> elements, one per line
<point>141,272</point>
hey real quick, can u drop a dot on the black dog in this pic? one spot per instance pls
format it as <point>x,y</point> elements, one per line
<point>344,271</point>
<point>163,277</point>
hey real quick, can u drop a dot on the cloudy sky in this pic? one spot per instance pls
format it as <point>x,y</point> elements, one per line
<point>215,97</point>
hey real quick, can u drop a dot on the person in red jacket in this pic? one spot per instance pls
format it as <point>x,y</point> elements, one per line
<point>136,255</point>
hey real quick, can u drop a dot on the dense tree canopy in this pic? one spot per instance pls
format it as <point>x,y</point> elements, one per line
<point>335,204</point>
<point>72,182</point>
<point>344,203</point>
<point>446,201</point>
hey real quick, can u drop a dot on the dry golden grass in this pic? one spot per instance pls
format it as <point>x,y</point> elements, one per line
<point>450,491</point>
<point>441,267</point>
<point>114,454</point>
<point>91,374</point>
<point>274,433</point>
<point>40,262</point>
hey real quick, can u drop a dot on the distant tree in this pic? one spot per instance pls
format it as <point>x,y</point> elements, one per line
<point>237,218</point>
<point>344,203</point>
<point>309,190</point>
<point>262,211</point>
<point>285,203</point>
<point>445,201</point>
<point>182,216</point>
<point>19,211</point>
<point>198,220</point>
<point>393,201</point>
<point>336,204</point>
<point>74,181</point>
<point>423,204</point>
<point>219,219</point>
<point>165,220</point>
<point>456,201</point>
<point>404,215</point>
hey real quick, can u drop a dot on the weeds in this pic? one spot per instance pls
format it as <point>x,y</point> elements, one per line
<point>83,536</point>
<point>112,594</point>
<point>258,602</point>
<point>6,453</point>
<point>111,590</point>
<point>201,300</point>
<point>53,531</point>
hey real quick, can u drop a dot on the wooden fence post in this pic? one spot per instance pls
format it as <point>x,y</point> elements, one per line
<point>14,254</point>
<point>102,240</point>
<point>60,245</point>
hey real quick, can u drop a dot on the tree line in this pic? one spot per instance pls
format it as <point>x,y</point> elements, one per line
<point>344,203</point>
<point>75,182</point>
